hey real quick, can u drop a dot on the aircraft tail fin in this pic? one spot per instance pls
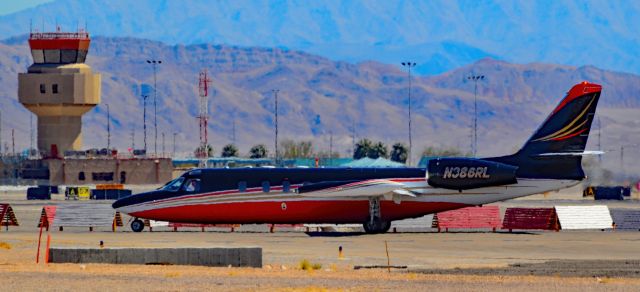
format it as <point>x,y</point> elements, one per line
<point>556,148</point>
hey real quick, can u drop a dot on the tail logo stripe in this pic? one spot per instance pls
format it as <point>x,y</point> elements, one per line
<point>563,132</point>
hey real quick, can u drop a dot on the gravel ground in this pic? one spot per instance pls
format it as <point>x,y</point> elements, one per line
<point>456,261</point>
<point>564,268</point>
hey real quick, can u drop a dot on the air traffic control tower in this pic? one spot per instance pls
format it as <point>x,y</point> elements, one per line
<point>59,88</point>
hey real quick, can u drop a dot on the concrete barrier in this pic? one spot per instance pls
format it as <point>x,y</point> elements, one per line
<point>213,257</point>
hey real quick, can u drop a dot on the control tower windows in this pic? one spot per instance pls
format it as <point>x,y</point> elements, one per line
<point>68,56</point>
<point>38,56</point>
<point>82,55</point>
<point>43,88</point>
<point>54,89</point>
<point>52,56</point>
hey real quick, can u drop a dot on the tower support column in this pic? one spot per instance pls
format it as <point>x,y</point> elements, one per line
<point>63,131</point>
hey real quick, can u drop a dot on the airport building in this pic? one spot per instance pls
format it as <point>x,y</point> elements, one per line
<point>59,88</point>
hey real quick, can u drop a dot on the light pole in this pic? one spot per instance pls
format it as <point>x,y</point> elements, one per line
<point>108,129</point>
<point>144,121</point>
<point>409,65</point>
<point>475,79</point>
<point>155,105</point>
<point>275,93</point>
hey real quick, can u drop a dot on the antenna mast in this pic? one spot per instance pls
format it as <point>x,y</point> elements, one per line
<point>203,117</point>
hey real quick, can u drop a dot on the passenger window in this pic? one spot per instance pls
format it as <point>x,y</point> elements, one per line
<point>54,88</point>
<point>286,186</point>
<point>266,187</point>
<point>43,88</point>
<point>192,185</point>
<point>242,186</point>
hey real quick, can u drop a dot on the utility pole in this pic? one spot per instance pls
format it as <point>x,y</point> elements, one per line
<point>353,137</point>
<point>599,139</point>
<point>133,139</point>
<point>144,122</point>
<point>13,142</point>
<point>173,154</point>
<point>108,129</point>
<point>233,131</point>
<point>155,104</point>
<point>30,134</point>
<point>475,79</point>
<point>330,145</point>
<point>622,159</point>
<point>409,65</point>
<point>275,93</point>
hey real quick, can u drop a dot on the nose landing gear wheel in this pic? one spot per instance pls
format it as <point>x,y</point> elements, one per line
<point>137,225</point>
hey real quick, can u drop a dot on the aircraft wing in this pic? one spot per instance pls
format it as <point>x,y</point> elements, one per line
<point>361,188</point>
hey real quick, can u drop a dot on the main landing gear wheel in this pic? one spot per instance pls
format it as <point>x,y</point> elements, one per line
<point>376,227</point>
<point>375,223</point>
<point>137,225</point>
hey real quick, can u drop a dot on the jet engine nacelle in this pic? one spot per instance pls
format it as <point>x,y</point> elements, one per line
<point>468,173</point>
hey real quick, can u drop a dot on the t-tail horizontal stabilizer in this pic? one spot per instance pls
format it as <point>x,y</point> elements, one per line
<point>584,153</point>
<point>556,148</point>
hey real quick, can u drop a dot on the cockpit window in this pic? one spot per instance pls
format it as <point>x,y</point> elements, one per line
<point>173,185</point>
<point>192,185</point>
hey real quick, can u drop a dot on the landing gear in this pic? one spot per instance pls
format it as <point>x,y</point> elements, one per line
<point>376,227</point>
<point>375,223</point>
<point>137,225</point>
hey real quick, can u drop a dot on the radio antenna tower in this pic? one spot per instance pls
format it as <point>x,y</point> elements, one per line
<point>203,117</point>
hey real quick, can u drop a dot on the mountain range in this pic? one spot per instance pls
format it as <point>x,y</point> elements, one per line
<point>323,100</point>
<point>439,35</point>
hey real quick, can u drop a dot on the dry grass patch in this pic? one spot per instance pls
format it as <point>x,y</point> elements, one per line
<point>306,265</point>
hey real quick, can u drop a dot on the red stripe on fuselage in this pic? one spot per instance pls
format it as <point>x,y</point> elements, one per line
<point>305,211</point>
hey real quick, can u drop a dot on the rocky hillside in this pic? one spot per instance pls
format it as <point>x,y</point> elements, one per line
<point>319,96</point>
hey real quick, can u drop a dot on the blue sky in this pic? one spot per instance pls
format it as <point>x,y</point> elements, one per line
<point>11,6</point>
<point>439,35</point>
